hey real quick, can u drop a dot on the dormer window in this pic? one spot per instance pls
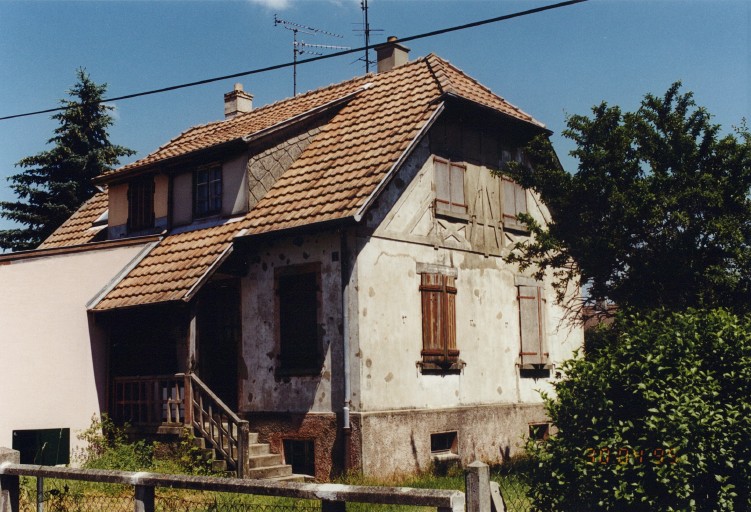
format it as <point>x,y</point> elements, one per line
<point>207,192</point>
<point>141,204</point>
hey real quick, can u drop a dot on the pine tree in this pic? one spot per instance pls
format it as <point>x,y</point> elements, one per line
<point>56,182</point>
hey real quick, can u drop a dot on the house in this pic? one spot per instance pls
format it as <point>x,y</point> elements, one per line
<point>321,281</point>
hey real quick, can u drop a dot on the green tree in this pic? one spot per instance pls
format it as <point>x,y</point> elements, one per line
<point>657,420</point>
<point>56,182</point>
<point>656,216</point>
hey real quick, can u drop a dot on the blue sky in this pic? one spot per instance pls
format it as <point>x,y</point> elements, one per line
<point>550,64</point>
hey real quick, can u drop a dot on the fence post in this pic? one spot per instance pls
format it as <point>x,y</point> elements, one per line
<point>144,498</point>
<point>477,482</point>
<point>333,506</point>
<point>9,484</point>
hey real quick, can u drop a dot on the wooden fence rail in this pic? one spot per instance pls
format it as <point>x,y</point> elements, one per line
<point>333,497</point>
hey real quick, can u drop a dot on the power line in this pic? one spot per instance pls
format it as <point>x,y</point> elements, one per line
<point>315,59</point>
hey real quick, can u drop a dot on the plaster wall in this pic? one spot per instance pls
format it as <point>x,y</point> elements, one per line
<point>261,387</point>
<point>235,186</point>
<point>406,236</point>
<point>53,353</point>
<point>182,199</point>
<point>399,442</point>
<point>117,196</point>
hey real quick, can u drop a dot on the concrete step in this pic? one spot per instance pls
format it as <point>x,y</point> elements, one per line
<point>293,478</point>
<point>258,449</point>
<point>219,465</point>
<point>260,461</point>
<point>270,471</point>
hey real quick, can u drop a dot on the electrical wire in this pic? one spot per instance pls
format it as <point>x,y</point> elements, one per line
<point>314,59</point>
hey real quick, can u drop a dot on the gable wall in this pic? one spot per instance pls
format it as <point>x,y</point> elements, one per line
<point>406,236</point>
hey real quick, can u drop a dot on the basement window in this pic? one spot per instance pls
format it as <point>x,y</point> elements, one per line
<point>539,431</point>
<point>300,454</point>
<point>443,443</point>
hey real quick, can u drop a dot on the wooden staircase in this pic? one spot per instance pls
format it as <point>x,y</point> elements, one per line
<point>260,463</point>
<point>183,400</point>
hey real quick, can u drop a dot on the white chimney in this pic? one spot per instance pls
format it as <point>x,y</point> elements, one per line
<point>391,54</point>
<point>237,102</point>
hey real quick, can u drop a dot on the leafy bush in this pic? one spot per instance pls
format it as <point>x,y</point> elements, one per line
<point>657,418</point>
<point>108,447</point>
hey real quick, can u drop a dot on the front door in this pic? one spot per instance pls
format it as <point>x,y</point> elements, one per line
<point>219,334</point>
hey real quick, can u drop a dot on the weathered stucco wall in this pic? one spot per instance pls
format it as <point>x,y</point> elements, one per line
<point>398,442</point>
<point>52,354</point>
<point>262,389</point>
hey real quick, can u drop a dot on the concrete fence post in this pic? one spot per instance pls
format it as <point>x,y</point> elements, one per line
<point>144,498</point>
<point>9,484</point>
<point>477,482</point>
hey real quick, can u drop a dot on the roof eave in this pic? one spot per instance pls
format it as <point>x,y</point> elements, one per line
<point>532,123</point>
<point>398,163</point>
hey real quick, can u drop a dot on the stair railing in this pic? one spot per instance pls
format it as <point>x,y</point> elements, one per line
<point>213,421</point>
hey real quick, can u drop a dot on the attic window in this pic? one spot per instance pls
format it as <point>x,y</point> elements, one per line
<point>207,192</point>
<point>449,186</point>
<point>514,203</point>
<point>141,204</point>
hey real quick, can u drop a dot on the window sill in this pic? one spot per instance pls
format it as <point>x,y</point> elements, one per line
<point>427,368</point>
<point>448,214</point>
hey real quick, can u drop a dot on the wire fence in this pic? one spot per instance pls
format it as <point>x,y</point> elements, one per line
<point>69,496</point>
<point>39,494</point>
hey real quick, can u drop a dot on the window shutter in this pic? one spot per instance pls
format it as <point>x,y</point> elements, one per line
<point>438,294</point>
<point>532,326</point>
<point>457,189</point>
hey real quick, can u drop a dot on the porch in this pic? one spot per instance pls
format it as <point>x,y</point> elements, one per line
<point>166,404</point>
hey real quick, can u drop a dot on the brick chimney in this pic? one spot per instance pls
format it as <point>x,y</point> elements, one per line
<point>391,54</point>
<point>237,102</point>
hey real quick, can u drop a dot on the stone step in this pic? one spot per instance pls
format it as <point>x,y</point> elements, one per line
<point>279,470</point>
<point>219,465</point>
<point>293,478</point>
<point>269,459</point>
<point>258,449</point>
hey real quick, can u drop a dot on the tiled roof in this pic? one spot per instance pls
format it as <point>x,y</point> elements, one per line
<point>79,229</point>
<point>173,268</point>
<point>333,178</point>
<point>220,132</point>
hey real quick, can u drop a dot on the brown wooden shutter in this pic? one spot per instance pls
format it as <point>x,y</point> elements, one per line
<point>532,326</point>
<point>438,293</point>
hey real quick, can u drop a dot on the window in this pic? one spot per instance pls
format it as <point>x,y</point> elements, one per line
<point>438,292</point>
<point>534,353</point>
<point>207,192</point>
<point>443,442</point>
<point>514,203</point>
<point>539,431</point>
<point>300,454</point>
<point>298,306</point>
<point>141,204</point>
<point>449,186</point>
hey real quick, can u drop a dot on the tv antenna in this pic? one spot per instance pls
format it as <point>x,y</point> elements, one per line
<point>301,47</point>
<point>366,30</point>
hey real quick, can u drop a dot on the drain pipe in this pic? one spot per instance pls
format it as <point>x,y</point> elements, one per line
<point>344,269</point>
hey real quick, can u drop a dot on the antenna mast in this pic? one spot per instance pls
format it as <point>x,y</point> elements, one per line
<point>366,30</point>
<point>299,47</point>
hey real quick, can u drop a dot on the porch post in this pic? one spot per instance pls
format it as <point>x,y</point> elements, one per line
<point>187,400</point>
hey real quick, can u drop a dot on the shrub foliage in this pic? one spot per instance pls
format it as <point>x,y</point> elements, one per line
<point>656,418</point>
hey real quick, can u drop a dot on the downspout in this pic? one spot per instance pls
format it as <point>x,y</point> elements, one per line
<point>344,269</point>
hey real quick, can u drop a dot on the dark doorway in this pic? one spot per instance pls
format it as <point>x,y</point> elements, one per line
<point>219,333</point>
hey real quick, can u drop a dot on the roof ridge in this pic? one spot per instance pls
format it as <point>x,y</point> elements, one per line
<point>485,88</point>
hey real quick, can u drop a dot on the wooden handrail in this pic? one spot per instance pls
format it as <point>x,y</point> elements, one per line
<point>184,400</point>
<point>215,422</point>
